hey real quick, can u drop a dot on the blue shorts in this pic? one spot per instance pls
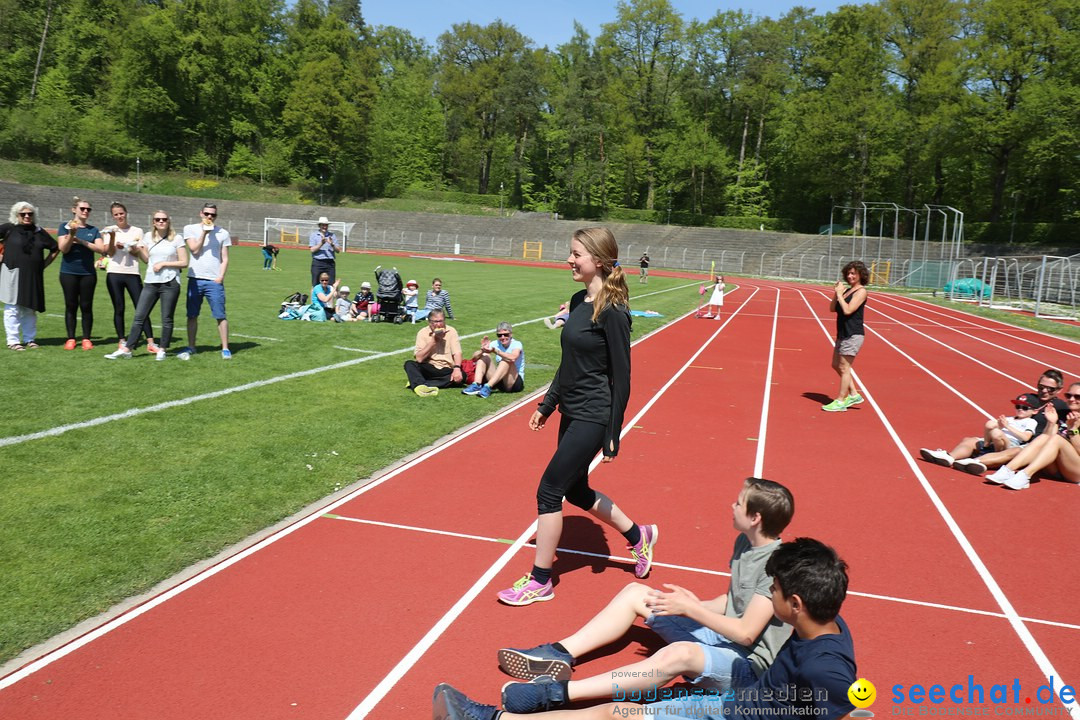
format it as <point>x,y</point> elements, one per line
<point>726,665</point>
<point>214,293</point>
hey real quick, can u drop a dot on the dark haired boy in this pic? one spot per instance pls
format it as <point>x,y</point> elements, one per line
<point>809,677</point>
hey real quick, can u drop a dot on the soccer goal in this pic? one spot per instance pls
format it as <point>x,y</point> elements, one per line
<point>287,231</point>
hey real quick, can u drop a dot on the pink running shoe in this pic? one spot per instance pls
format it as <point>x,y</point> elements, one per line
<point>526,591</point>
<point>643,551</point>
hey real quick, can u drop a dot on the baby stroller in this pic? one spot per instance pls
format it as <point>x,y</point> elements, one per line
<point>389,296</point>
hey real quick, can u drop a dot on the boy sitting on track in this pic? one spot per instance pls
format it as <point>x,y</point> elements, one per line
<point>809,677</point>
<point>999,434</point>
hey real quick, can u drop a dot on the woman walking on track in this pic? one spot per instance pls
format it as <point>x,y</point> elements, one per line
<point>848,304</point>
<point>590,389</point>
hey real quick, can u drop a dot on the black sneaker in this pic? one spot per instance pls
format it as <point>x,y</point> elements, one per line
<point>450,704</point>
<point>541,694</point>
<point>532,663</point>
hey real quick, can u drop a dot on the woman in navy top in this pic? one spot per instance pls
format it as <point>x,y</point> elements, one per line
<point>78,241</point>
<point>848,303</point>
<point>590,389</point>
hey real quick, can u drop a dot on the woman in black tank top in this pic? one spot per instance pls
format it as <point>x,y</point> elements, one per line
<point>848,303</point>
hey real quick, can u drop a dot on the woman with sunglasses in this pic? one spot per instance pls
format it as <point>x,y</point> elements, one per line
<point>79,241</point>
<point>165,254</point>
<point>590,390</point>
<point>122,272</point>
<point>28,250</point>
<point>1057,448</point>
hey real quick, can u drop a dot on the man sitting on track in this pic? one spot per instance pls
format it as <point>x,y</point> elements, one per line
<point>973,455</point>
<point>809,586</point>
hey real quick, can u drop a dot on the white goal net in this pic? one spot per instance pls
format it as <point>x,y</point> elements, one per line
<point>287,231</point>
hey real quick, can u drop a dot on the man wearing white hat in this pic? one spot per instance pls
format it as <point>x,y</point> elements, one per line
<point>324,247</point>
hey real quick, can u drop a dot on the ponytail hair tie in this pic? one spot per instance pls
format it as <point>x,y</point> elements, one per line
<point>615,264</point>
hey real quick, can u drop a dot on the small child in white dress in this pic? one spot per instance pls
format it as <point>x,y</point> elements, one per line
<point>717,298</point>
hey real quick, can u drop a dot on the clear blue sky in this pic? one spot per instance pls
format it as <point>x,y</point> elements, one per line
<point>549,22</point>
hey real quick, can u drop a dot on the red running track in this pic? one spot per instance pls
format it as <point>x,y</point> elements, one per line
<point>365,609</point>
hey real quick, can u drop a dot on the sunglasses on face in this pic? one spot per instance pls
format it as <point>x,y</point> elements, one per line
<point>84,209</point>
<point>1047,388</point>
<point>1022,407</point>
<point>209,215</point>
<point>26,214</point>
<point>161,219</point>
<point>502,334</point>
<point>1072,396</point>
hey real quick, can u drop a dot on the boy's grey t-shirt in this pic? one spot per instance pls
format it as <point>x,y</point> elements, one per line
<point>748,579</point>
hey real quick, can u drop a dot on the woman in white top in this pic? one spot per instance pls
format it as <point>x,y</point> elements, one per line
<point>165,254</point>
<point>122,272</point>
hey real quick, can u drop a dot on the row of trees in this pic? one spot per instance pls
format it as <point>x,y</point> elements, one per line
<point>973,104</point>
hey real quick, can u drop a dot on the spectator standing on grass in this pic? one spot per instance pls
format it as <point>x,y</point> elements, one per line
<point>27,251</point>
<point>436,359</point>
<point>208,244</point>
<point>436,299</point>
<point>79,241</point>
<point>643,261</point>
<point>324,247</point>
<point>122,273</point>
<point>728,641</point>
<point>499,365</point>
<point>591,388</point>
<point>165,254</point>
<point>848,303</point>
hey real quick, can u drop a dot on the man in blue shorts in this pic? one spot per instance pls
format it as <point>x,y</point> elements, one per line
<point>209,246</point>
<point>809,677</point>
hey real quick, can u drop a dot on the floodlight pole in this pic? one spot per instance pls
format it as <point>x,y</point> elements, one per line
<point>1012,229</point>
<point>320,189</point>
<point>138,174</point>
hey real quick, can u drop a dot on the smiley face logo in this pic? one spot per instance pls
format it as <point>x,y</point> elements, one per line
<point>862,693</point>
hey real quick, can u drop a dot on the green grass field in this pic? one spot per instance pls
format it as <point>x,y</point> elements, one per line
<point>98,514</point>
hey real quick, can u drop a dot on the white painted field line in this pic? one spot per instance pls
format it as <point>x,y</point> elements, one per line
<point>696,570</point>
<point>1014,619</point>
<point>936,309</point>
<point>759,459</point>
<point>878,302</point>
<point>255,337</point>
<point>424,644</point>
<point>369,352</point>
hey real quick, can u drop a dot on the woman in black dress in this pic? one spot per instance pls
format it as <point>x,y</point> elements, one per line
<point>590,389</point>
<point>28,250</point>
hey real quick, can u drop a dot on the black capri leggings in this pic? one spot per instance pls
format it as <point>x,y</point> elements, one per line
<point>78,297</point>
<point>567,474</point>
<point>117,284</point>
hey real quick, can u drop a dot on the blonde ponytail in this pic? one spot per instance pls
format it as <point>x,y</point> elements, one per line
<point>600,243</point>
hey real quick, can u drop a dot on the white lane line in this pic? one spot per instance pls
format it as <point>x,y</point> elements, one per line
<point>936,309</point>
<point>759,459</point>
<point>692,569</point>
<point>255,337</point>
<point>1026,638</point>
<point>424,644</point>
<point>878,302</point>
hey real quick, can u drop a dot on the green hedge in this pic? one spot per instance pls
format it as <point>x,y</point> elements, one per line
<point>1059,234</point>
<point>453,196</point>
<point>660,217</point>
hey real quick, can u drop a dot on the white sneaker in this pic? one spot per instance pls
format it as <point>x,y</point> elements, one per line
<point>185,354</point>
<point>160,355</point>
<point>120,352</point>
<point>1000,475</point>
<point>1018,481</point>
<point>938,457</point>
<point>970,465</point>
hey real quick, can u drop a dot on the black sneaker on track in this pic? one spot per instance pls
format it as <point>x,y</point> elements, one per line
<point>541,694</point>
<point>536,662</point>
<point>451,704</point>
